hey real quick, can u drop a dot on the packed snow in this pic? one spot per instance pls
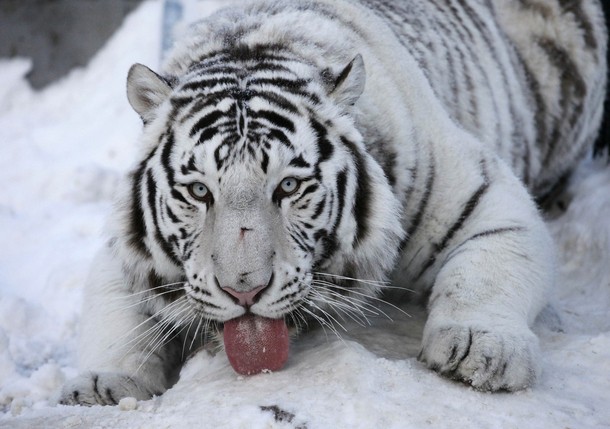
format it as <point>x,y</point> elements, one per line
<point>66,147</point>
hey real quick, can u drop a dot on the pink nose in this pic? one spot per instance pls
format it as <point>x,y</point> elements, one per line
<point>245,299</point>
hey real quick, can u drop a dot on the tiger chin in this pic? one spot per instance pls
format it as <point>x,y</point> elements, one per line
<point>290,148</point>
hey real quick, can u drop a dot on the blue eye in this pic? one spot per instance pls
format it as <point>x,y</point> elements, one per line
<point>199,191</point>
<point>289,185</point>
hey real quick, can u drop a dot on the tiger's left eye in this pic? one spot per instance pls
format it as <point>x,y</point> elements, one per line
<point>199,191</point>
<point>287,187</point>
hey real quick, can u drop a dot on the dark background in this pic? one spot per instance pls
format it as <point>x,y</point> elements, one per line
<point>58,34</point>
<point>603,141</point>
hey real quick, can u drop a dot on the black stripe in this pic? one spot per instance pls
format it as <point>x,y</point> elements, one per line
<point>329,239</point>
<point>137,227</point>
<point>572,93</point>
<point>472,203</point>
<point>342,76</point>
<point>389,165</point>
<point>602,144</point>
<point>469,208</point>
<point>413,172</point>
<point>278,135</point>
<point>178,104</point>
<point>341,187</point>
<point>299,162</point>
<point>221,66</point>
<point>465,49</point>
<point>219,161</point>
<point>207,135</point>
<point>206,121</point>
<point>308,190</point>
<point>171,215</point>
<point>96,391</point>
<point>423,203</point>
<point>278,101</point>
<point>495,231</point>
<point>165,157</point>
<point>209,101</point>
<point>110,397</point>
<point>241,51</point>
<point>492,47</point>
<point>540,113</point>
<point>151,186</point>
<point>325,147</point>
<point>264,65</point>
<point>178,196</point>
<point>191,166</point>
<point>575,7</point>
<point>299,242</point>
<point>363,194</point>
<point>264,161</point>
<point>302,233</point>
<point>331,245</point>
<point>319,209</point>
<point>276,119</point>
<point>208,83</point>
<point>292,85</point>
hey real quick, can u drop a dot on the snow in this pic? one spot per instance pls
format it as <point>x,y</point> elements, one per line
<point>64,150</point>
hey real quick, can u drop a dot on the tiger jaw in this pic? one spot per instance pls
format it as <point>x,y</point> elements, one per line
<point>255,333</point>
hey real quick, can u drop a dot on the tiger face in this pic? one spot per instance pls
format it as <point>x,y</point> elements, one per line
<point>258,185</point>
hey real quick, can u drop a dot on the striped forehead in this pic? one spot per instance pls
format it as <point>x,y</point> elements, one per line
<point>242,108</point>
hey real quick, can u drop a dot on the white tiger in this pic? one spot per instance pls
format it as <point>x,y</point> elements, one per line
<point>289,146</point>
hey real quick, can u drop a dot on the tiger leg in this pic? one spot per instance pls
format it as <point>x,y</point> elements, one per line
<point>487,293</point>
<point>117,357</point>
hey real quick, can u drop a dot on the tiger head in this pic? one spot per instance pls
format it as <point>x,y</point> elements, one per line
<point>255,188</point>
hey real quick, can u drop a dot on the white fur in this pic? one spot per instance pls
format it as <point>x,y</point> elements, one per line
<point>487,274</point>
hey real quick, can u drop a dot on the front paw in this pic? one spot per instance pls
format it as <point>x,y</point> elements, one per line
<point>103,388</point>
<point>489,359</point>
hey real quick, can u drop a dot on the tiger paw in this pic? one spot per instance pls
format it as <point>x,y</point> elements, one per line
<point>488,359</point>
<point>103,388</point>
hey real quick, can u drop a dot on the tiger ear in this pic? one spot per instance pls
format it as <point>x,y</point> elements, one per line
<point>349,85</point>
<point>146,90</point>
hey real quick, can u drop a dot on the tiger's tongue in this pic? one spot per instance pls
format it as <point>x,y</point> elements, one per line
<point>254,344</point>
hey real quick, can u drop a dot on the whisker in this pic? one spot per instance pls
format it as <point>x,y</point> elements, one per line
<point>341,307</point>
<point>327,314</point>
<point>382,283</point>
<point>147,299</point>
<point>161,328</point>
<point>298,319</point>
<point>195,334</point>
<point>361,304</point>
<point>323,323</point>
<point>173,286</point>
<point>155,329</point>
<point>193,317</point>
<point>171,321</point>
<point>163,341</point>
<point>374,298</point>
<point>366,281</point>
<point>152,317</point>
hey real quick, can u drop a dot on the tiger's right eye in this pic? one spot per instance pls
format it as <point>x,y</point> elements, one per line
<point>200,192</point>
<point>287,187</point>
